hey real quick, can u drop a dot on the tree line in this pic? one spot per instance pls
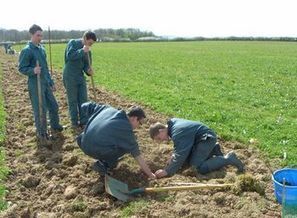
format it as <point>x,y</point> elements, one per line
<point>236,38</point>
<point>129,33</point>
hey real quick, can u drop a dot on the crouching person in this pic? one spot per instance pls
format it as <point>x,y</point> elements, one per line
<point>194,144</point>
<point>108,135</point>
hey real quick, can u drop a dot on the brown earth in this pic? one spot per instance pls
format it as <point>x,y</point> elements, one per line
<point>60,183</point>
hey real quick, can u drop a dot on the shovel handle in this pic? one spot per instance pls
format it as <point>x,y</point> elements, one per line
<point>186,187</point>
<point>50,51</point>
<point>178,188</point>
<point>92,79</point>
<point>93,87</point>
<point>39,95</point>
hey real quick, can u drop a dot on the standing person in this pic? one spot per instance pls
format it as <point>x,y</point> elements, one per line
<point>6,47</point>
<point>109,135</point>
<point>194,143</point>
<point>32,62</point>
<point>76,64</point>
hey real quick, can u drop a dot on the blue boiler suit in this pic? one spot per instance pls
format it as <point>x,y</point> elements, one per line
<point>76,64</point>
<point>27,62</point>
<point>194,144</point>
<point>108,134</point>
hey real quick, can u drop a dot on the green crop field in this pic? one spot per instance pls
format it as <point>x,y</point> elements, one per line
<point>3,168</point>
<point>246,91</point>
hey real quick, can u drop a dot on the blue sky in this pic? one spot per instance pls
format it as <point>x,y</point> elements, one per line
<point>185,18</point>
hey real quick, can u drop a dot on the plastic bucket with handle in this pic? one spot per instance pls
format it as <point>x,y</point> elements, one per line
<point>285,186</point>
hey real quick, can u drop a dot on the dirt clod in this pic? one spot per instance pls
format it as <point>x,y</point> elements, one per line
<point>26,213</point>
<point>247,183</point>
<point>70,192</point>
<point>31,181</point>
<point>97,189</point>
<point>46,215</point>
<point>70,161</point>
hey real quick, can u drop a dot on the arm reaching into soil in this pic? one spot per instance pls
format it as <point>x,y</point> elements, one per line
<point>145,168</point>
<point>161,173</point>
<point>181,152</point>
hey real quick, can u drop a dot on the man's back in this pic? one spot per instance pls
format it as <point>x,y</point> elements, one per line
<point>109,129</point>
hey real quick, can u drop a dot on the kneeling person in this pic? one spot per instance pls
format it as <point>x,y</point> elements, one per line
<point>109,135</point>
<point>195,144</point>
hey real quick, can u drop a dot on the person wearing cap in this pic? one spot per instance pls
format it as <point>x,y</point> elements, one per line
<point>108,135</point>
<point>32,61</point>
<point>76,64</point>
<point>195,144</point>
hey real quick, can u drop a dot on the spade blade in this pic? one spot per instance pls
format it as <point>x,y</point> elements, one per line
<point>116,188</point>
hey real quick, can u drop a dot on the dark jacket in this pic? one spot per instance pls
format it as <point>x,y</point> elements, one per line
<point>108,132</point>
<point>185,134</point>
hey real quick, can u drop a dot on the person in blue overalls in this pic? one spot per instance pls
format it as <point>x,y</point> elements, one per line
<point>32,61</point>
<point>194,144</point>
<point>109,135</point>
<point>76,64</point>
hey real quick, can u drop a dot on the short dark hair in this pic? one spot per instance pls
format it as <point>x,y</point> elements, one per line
<point>34,28</point>
<point>90,35</point>
<point>136,111</point>
<point>155,129</point>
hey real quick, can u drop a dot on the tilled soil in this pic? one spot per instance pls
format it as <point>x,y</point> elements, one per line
<point>59,182</point>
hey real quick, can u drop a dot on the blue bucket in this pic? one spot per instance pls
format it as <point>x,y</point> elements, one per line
<point>289,190</point>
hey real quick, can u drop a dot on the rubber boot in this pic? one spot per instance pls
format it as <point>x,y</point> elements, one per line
<point>44,141</point>
<point>234,161</point>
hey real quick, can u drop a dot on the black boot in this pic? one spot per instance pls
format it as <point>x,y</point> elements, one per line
<point>44,141</point>
<point>234,161</point>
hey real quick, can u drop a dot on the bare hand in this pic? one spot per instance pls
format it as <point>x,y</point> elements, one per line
<point>37,70</point>
<point>86,48</point>
<point>152,176</point>
<point>160,173</point>
<point>90,71</point>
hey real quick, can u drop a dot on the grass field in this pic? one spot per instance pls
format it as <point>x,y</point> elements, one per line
<point>244,90</point>
<point>3,168</point>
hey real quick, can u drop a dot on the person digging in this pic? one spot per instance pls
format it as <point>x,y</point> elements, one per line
<point>108,135</point>
<point>194,144</point>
